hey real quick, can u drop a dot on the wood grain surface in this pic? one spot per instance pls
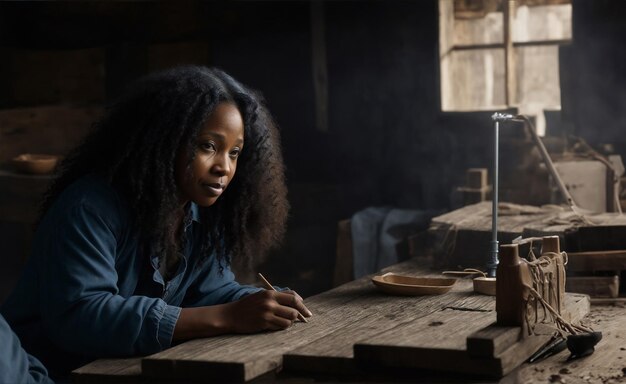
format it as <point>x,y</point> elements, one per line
<point>245,357</point>
<point>606,365</point>
<point>354,313</point>
<point>417,344</point>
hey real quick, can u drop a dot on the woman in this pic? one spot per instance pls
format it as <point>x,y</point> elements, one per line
<point>137,233</point>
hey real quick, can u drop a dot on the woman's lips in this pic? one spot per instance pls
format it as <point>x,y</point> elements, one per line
<point>214,189</point>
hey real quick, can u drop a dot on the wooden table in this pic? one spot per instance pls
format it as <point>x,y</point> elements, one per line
<point>359,333</point>
<point>464,234</point>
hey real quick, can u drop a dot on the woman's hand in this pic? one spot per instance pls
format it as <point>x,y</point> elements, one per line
<point>265,310</point>
<point>260,311</point>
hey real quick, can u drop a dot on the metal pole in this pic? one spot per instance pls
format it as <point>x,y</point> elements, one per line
<point>493,262</point>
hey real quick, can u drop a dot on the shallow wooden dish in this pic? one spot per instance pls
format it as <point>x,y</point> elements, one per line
<point>412,286</point>
<point>35,163</point>
<point>485,285</point>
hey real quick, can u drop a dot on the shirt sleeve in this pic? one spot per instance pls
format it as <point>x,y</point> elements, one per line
<point>214,286</point>
<point>81,308</point>
<point>17,366</point>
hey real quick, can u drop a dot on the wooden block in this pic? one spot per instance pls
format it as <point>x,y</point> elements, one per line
<point>476,178</point>
<point>344,265</point>
<point>597,261</point>
<point>594,286</point>
<point>492,340</point>
<point>409,345</point>
<point>109,370</point>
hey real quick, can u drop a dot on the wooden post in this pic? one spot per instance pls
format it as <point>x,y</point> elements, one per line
<point>509,54</point>
<point>319,65</point>
<point>476,178</point>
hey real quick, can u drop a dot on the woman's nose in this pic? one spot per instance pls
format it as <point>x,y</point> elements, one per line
<point>221,166</point>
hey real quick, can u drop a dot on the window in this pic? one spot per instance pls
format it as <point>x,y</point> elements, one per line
<point>496,54</point>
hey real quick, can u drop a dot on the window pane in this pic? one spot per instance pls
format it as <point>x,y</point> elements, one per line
<point>537,70</point>
<point>473,80</point>
<point>484,30</point>
<point>545,22</point>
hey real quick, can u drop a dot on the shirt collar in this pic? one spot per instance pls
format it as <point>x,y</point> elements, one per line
<point>195,212</point>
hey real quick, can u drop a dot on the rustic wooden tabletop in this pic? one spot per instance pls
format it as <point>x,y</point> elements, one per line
<point>359,333</point>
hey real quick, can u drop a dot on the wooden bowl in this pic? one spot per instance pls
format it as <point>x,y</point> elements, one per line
<point>35,163</point>
<point>412,286</point>
<point>485,285</point>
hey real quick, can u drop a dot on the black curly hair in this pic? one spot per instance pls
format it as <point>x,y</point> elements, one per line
<point>135,144</point>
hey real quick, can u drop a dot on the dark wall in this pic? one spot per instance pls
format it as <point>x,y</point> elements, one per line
<point>595,68</point>
<point>382,141</point>
<point>383,76</point>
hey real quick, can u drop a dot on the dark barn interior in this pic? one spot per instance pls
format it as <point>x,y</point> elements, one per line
<point>354,87</point>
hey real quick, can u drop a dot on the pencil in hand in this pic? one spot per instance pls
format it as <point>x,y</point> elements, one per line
<point>271,287</point>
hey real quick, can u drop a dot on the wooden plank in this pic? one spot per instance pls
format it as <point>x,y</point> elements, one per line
<point>594,286</point>
<point>412,345</point>
<point>109,370</point>
<point>516,218</point>
<point>245,357</point>
<point>333,353</point>
<point>464,234</point>
<point>492,340</point>
<point>597,261</point>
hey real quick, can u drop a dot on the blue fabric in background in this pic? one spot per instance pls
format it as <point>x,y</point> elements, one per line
<point>376,233</point>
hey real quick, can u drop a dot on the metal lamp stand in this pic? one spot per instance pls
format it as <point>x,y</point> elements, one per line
<point>493,260</point>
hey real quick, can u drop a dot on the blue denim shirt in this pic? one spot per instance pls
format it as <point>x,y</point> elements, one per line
<point>17,366</point>
<point>87,292</point>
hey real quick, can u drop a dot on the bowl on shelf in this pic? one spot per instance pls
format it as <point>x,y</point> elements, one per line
<point>35,163</point>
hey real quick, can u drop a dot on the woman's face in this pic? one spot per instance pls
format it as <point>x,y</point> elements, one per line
<point>217,148</point>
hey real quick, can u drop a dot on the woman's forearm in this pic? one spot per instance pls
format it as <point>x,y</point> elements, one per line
<point>201,322</point>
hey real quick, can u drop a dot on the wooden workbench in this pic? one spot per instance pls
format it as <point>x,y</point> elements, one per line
<point>357,333</point>
<point>464,235</point>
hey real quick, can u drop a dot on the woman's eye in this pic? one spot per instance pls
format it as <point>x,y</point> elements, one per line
<point>209,147</point>
<point>235,153</point>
